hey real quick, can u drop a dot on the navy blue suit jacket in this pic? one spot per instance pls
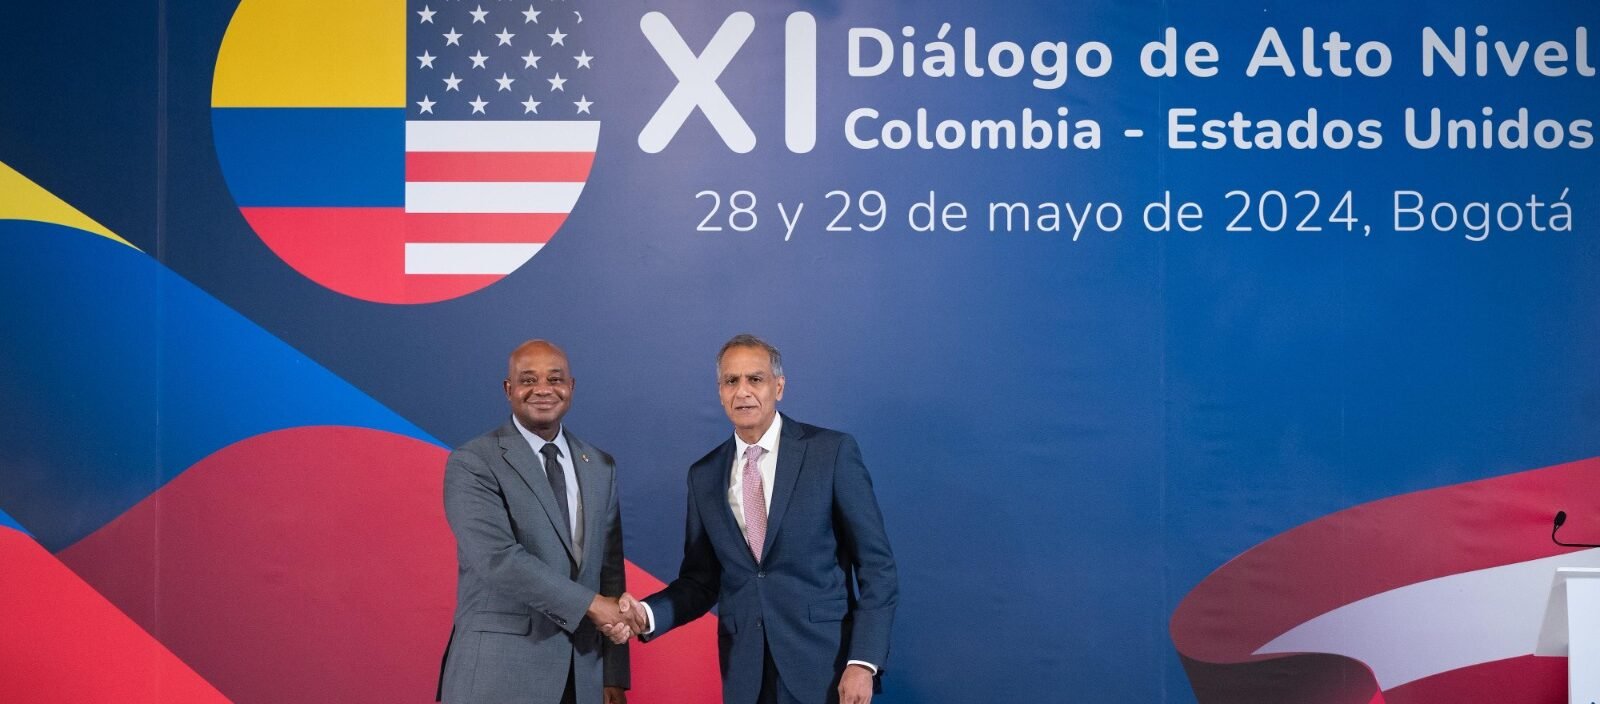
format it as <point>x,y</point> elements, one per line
<point>825,590</point>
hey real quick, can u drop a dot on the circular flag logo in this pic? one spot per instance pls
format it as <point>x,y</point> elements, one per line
<point>405,151</point>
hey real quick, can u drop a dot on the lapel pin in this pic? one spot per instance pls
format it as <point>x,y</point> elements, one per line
<point>583,456</point>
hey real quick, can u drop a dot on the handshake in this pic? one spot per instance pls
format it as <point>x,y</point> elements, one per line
<point>619,618</point>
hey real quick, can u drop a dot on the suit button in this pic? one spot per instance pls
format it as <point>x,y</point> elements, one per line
<point>761,574</point>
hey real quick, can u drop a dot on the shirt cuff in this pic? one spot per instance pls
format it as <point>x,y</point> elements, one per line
<point>650,621</point>
<point>863,663</point>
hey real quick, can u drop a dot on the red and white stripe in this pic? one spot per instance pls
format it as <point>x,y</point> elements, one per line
<point>1432,596</point>
<point>501,187</point>
<point>1440,625</point>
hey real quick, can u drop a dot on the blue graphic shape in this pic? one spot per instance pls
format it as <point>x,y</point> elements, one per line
<point>120,374</point>
<point>6,521</point>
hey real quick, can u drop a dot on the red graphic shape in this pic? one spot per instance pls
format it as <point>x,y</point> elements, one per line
<point>315,564</point>
<point>63,642</point>
<point>1360,552</point>
<point>310,564</point>
<point>1533,680</point>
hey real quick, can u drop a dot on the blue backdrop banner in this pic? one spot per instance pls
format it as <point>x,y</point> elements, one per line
<point>1199,352</point>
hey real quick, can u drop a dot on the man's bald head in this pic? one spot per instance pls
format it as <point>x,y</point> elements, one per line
<point>539,386</point>
<point>532,346</point>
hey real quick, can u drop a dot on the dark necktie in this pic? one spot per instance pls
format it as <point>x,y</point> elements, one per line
<point>558,482</point>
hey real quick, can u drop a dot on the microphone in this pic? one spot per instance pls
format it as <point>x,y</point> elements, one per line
<point>1561,517</point>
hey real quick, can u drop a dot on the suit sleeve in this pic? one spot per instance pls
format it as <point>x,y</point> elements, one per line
<point>694,592</point>
<point>613,582</point>
<point>476,511</point>
<point>867,544</point>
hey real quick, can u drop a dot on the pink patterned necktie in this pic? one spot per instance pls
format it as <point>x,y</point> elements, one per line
<point>755,501</point>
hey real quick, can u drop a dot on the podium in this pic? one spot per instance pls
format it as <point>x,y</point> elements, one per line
<point>1572,628</point>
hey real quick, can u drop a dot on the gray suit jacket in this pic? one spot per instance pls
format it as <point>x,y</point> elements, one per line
<point>521,596</point>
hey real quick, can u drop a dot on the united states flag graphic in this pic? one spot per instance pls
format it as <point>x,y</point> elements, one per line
<point>500,134</point>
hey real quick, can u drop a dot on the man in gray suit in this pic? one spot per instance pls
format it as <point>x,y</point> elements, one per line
<point>539,545</point>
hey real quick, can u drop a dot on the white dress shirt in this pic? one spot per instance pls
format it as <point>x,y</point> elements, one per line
<point>573,498</point>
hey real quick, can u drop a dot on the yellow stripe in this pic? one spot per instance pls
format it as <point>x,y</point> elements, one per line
<point>22,199</point>
<point>313,53</point>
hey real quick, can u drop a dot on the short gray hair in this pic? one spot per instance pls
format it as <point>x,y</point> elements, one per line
<point>745,339</point>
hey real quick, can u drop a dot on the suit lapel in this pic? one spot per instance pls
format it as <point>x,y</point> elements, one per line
<point>530,467</point>
<point>592,495</point>
<point>791,457</point>
<point>714,499</point>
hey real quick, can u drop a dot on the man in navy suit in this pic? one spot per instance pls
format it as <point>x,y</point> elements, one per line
<point>785,535</point>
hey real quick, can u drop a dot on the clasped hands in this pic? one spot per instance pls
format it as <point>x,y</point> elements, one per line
<point>619,618</point>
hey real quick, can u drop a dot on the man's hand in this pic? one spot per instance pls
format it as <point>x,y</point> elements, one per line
<point>630,622</point>
<point>618,633</point>
<point>633,613</point>
<point>855,687</point>
<point>616,695</point>
<point>607,616</point>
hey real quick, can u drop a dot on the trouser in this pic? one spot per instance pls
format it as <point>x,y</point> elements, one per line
<point>570,696</point>
<point>770,684</point>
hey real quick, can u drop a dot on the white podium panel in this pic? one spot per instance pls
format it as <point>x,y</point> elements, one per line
<point>1572,628</point>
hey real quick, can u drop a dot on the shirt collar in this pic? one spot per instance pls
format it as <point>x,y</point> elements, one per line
<point>536,442</point>
<point>768,441</point>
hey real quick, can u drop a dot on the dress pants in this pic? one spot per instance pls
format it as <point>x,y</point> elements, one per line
<point>772,689</point>
<point>770,684</point>
<point>570,696</point>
